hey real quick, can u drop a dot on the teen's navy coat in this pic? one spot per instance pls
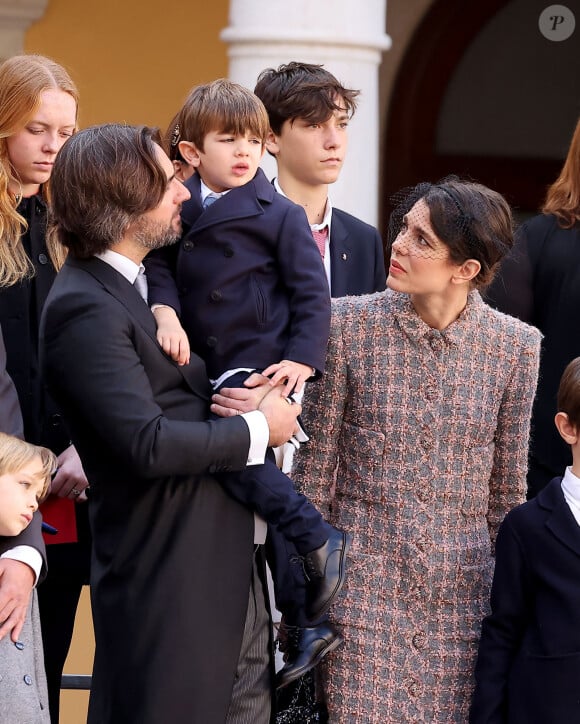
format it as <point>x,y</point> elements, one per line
<point>528,667</point>
<point>246,280</point>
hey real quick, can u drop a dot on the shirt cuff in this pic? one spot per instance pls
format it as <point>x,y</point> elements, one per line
<point>259,436</point>
<point>28,555</point>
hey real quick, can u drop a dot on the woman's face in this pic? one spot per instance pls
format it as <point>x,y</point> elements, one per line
<point>420,262</point>
<point>32,150</point>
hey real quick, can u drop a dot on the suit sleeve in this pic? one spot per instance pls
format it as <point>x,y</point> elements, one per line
<point>10,415</point>
<point>507,483</point>
<point>323,409</point>
<point>503,630</point>
<point>93,360</point>
<point>302,272</point>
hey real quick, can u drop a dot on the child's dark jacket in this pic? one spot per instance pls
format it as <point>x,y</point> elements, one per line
<point>528,669</point>
<point>246,280</point>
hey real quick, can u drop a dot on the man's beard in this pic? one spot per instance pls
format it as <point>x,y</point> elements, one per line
<point>153,234</point>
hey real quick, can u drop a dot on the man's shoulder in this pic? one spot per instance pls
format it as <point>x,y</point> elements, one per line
<point>353,223</point>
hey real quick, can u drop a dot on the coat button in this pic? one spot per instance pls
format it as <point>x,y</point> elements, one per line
<point>55,420</point>
<point>211,341</point>
<point>43,259</point>
<point>19,645</point>
<point>419,640</point>
<point>28,679</point>
<point>188,245</point>
<point>228,251</point>
<point>216,295</point>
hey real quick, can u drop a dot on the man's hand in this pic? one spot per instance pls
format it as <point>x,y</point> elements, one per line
<point>171,335</point>
<point>231,401</point>
<point>70,480</point>
<point>294,374</point>
<point>16,583</point>
<point>281,413</point>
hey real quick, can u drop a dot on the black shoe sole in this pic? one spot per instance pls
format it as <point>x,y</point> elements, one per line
<point>330,600</point>
<point>281,682</point>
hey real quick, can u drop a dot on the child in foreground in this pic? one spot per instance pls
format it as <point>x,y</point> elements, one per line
<point>25,473</point>
<point>528,666</point>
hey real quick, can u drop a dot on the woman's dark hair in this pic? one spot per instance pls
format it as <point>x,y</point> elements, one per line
<point>473,221</point>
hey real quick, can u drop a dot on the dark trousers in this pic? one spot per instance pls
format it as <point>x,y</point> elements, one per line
<point>270,492</point>
<point>58,597</point>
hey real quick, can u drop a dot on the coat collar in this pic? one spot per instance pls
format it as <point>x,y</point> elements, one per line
<point>560,520</point>
<point>416,329</point>
<point>245,201</point>
<point>116,285</point>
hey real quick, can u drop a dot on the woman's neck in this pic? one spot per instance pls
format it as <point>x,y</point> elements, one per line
<point>23,191</point>
<point>439,311</point>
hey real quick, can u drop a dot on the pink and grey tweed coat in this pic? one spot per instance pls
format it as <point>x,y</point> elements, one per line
<point>418,448</point>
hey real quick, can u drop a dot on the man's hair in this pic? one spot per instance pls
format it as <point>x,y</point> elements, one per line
<point>302,90</point>
<point>104,178</point>
<point>569,392</point>
<point>220,106</point>
<point>15,454</point>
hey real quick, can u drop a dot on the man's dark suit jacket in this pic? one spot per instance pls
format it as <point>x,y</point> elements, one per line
<point>172,553</point>
<point>357,261</point>
<point>528,668</point>
<point>246,280</point>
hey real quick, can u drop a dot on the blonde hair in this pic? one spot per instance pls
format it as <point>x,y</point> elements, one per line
<point>563,197</point>
<point>221,106</point>
<point>23,78</point>
<point>15,454</point>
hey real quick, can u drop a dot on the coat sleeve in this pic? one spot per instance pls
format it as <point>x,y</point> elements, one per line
<point>323,408</point>
<point>503,630</point>
<point>94,362</point>
<point>511,291</point>
<point>10,415</point>
<point>302,273</point>
<point>507,483</point>
<point>160,269</point>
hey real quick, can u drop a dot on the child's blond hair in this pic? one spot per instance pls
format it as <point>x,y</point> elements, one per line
<point>15,454</point>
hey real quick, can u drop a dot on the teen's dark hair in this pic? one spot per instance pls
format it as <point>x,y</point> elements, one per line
<point>473,221</point>
<point>302,90</point>
<point>569,392</point>
<point>104,178</point>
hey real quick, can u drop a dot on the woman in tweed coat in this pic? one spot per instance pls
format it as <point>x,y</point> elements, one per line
<point>419,437</point>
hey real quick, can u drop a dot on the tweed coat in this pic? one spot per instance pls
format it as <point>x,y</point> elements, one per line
<point>23,695</point>
<point>423,435</point>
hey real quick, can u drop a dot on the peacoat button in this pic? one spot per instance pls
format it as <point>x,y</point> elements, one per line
<point>28,679</point>
<point>188,245</point>
<point>228,252</point>
<point>413,687</point>
<point>19,645</point>
<point>43,259</point>
<point>55,420</point>
<point>211,341</point>
<point>216,295</point>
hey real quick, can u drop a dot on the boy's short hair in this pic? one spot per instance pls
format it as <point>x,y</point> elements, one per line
<point>15,454</point>
<point>569,392</point>
<point>302,90</point>
<point>221,106</point>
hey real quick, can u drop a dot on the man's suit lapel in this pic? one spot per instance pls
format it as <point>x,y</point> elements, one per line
<point>560,522</point>
<point>119,287</point>
<point>340,256</point>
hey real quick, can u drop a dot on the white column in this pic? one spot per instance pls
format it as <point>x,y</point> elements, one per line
<point>348,38</point>
<point>15,18</point>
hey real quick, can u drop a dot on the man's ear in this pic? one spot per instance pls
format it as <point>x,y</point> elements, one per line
<point>272,143</point>
<point>467,271</point>
<point>190,153</point>
<point>566,429</point>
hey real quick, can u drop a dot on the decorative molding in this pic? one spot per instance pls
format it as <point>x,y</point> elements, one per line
<point>16,16</point>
